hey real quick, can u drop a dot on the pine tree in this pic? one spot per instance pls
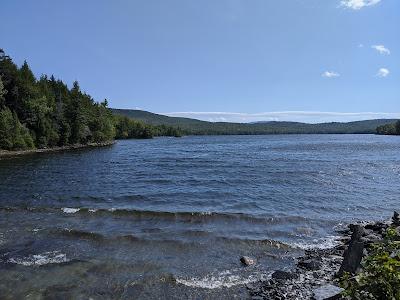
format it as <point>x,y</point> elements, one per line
<point>3,92</point>
<point>398,127</point>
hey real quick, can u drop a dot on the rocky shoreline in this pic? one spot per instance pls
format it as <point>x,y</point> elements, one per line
<point>317,273</point>
<point>6,153</point>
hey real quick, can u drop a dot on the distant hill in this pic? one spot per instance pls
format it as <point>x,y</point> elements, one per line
<point>197,127</point>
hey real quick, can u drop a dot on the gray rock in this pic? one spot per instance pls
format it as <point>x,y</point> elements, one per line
<point>357,232</point>
<point>395,254</point>
<point>282,275</point>
<point>354,253</point>
<point>377,227</point>
<point>371,238</point>
<point>310,264</point>
<point>396,219</point>
<point>247,261</point>
<point>352,258</point>
<point>327,292</point>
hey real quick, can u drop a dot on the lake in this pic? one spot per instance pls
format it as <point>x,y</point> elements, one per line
<point>170,217</point>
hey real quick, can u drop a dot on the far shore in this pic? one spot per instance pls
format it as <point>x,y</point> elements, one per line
<point>6,153</point>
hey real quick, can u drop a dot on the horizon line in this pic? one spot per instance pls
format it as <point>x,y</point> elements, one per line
<point>292,116</point>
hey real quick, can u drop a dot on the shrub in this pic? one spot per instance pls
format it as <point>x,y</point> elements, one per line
<point>380,276</point>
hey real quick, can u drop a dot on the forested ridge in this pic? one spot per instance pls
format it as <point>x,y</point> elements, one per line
<point>197,127</point>
<point>44,112</point>
<point>389,129</point>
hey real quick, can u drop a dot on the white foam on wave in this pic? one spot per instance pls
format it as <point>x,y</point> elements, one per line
<point>51,257</point>
<point>227,279</point>
<point>321,243</point>
<point>70,210</point>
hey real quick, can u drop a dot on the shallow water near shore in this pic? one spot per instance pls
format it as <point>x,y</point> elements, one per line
<point>170,218</point>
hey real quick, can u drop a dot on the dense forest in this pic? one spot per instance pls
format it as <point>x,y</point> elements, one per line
<point>197,127</point>
<point>389,129</point>
<point>44,112</point>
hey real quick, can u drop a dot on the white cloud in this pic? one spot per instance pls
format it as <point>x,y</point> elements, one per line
<point>381,49</point>
<point>358,4</point>
<point>295,116</point>
<point>330,74</point>
<point>382,72</point>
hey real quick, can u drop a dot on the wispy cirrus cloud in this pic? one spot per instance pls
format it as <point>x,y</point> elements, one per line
<point>383,72</point>
<point>358,4</point>
<point>381,49</point>
<point>296,116</point>
<point>330,74</point>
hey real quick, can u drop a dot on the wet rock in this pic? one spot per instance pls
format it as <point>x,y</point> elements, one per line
<point>282,275</point>
<point>327,292</point>
<point>396,219</point>
<point>395,254</point>
<point>378,227</point>
<point>371,238</point>
<point>358,232</point>
<point>339,249</point>
<point>310,264</point>
<point>247,261</point>
<point>354,253</point>
<point>344,231</point>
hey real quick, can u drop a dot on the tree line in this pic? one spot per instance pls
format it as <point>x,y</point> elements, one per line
<point>44,112</point>
<point>196,127</point>
<point>389,129</point>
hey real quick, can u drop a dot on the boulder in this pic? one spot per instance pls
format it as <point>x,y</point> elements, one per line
<point>327,292</point>
<point>371,238</point>
<point>377,227</point>
<point>282,275</point>
<point>354,253</point>
<point>396,219</point>
<point>247,261</point>
<point>357,232</point>
<point>310,264</point>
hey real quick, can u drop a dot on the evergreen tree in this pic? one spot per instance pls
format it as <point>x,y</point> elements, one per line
<point>3,92</point>
<point>13,135</point>
<point>46,113</point>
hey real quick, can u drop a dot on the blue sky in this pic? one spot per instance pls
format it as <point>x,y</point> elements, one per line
<point>234,60</point>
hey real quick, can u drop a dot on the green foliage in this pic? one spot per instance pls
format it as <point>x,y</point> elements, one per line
<point>164,130</point>
<point>51,114</point>
<point>13,136</point>
<point>197,127</point>
<point>389,129</point>
<point>127,128</point>
<point>380,277</point>
<point>46,113</point>
<point>101,123</point>
<point>3,92</point>
<point>397,125</point>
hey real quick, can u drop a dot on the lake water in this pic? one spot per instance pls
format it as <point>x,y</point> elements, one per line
<point>170,217</point>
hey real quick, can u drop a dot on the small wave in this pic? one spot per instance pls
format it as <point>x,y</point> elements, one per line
<point>321,243</point>
<point>82,234</point>
<point>52,257</point>
<point>186,216</point>
<point>94,236</point>
<point>227,279</point>
<point>70,210</point>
